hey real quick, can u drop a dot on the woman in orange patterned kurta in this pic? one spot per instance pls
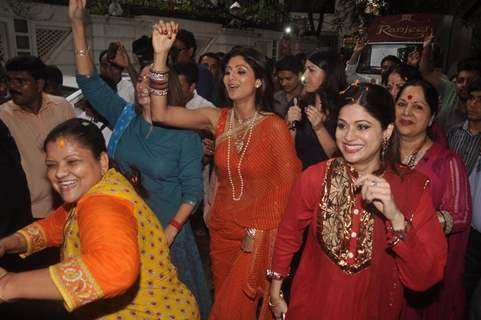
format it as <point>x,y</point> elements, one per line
<point>115,258</point>
<point>256,165</point>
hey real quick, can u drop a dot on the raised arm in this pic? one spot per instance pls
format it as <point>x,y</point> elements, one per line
<point>122,59</point>
<point>163,36</point>
<point>76,13</point>
<point>426,66</point>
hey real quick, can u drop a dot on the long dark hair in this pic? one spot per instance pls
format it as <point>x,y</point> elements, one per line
<point>334,82</point>
<point>377,101</point>
<point>89,136</point>
<point>258,62</point>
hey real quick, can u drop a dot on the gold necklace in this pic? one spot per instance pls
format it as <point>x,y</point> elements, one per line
<point>411,159</point>
<point>239,139</point>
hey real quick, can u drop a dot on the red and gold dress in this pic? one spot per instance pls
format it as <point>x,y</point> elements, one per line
<point>268,169</point>
<point>115,258</point>
<point>348,270</point>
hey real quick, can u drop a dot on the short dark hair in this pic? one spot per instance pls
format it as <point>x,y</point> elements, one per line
<point>406,72</point>
<point>189,70</point>
<point>475,85</point>
<point>469,64</point>
<point>290,63</point>
<point>32,64</point>
<point>209,55</point>
<point>391,58</point>
<point>102,54</point>
<point>53,74</point>
<point>187,38</point>
<point>142,48</point>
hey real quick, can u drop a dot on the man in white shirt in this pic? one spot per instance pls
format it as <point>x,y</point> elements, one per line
<point>112,68</point>
<point>187,74</point>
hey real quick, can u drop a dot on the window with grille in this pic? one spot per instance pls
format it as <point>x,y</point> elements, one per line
<point>48,40</point>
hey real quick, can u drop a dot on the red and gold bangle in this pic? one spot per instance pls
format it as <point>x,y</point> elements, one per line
<point>158,85</point>
<point>176,224</point>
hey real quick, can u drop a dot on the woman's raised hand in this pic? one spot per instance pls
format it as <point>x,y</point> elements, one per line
<point>163,35</point>
<point>315,114</point>
<point>376,190</point>
<point>294,113</point>
<point>76,10</point>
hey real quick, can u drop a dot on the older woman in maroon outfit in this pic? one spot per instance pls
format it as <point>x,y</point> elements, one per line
<point>416,107</point>
<point>372,230</point>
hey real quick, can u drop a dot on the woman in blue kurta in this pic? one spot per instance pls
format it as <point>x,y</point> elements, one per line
<point>169,161</point>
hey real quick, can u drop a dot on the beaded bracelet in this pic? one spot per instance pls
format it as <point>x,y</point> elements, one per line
<point>159,93</point>
<point>446,221</point>
<point>397,235</point>
<point>275,275</point>
<point>159,75</point>
<point>176,224</point>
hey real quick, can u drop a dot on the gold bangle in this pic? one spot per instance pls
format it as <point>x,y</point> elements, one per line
<point>151,68</point>
<point>82,52</point>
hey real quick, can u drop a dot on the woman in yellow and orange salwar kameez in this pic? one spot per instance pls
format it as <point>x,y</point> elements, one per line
<point>115,258</point>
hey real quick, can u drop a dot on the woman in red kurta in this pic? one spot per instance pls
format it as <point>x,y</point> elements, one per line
<point>372,226</point>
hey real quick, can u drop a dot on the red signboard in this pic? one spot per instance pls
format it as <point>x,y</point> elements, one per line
<point>403,28</point>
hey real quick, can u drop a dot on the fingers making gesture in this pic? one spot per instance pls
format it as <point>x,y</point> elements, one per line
<point>163,35</point>
<point>76,10</point>
<point>294,113</point>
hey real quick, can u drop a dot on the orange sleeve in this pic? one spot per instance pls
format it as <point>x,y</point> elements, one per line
<point>109,263</point>
<point>44,233</point>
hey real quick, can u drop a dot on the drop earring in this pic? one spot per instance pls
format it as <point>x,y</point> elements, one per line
<point>385,145</point>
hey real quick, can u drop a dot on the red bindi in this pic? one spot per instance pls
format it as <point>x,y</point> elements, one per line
<point>410,97</point>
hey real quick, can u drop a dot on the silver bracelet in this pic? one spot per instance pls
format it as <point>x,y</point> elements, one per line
<point>160,93</point>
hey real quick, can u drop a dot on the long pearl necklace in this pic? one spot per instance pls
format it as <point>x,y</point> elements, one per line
<point>241,157</point>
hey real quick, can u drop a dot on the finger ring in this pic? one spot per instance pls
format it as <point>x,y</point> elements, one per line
<point>374,183</point>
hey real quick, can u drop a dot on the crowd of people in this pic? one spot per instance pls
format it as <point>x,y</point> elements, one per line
<point>329,198</point>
